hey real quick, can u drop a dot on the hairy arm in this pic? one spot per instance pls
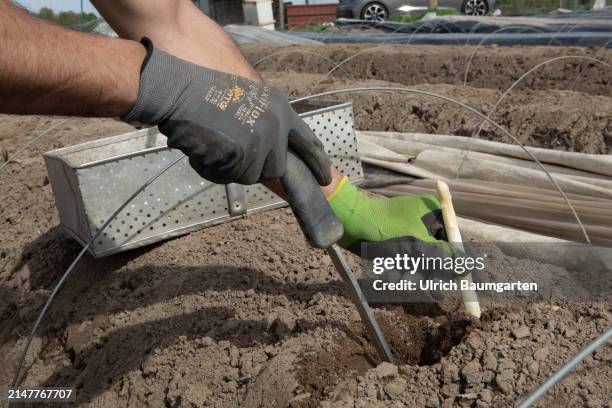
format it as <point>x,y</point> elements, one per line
<point>47,69</point>
<point>179,28</point>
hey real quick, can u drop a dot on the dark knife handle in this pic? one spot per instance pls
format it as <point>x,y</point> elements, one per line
<point>315,216</point>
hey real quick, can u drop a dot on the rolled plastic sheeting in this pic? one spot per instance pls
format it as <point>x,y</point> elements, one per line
<point>479,231</point>
<point>447,166</point>
<point>533,210</point>
<point>499,183</point>
<point>450,160</point>
<point>594,163</point>
<point>393,144</point>
<point>443,165</point>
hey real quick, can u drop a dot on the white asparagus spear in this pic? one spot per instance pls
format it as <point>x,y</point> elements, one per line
<point>470,300</point>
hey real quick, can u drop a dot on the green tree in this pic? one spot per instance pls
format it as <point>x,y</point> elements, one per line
<point>88,19</point>
<point>69,18</point>
<point>47,14</point>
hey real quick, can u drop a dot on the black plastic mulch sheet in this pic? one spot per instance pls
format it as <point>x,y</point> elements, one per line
<point>471,27</point>
<point>441,32</point>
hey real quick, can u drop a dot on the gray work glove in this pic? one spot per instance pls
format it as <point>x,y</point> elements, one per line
<point>233,129</point>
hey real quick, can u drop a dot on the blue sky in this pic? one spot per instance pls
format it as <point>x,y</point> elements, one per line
<point>58,5</point>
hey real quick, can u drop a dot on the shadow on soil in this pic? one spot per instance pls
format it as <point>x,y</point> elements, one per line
<point>96,367</point>
<point>97,361</point>
<point>120,288</point>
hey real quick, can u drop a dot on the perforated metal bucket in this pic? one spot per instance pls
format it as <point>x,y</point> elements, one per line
<point>91,180</point>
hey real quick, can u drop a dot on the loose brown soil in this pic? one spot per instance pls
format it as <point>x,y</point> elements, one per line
<point>247,314</point>
<point>491,67</point>
<point>562,120</point>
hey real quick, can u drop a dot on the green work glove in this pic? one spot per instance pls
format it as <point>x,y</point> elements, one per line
<point>410,223</point>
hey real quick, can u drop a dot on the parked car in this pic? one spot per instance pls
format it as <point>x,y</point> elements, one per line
<point>381,10</point>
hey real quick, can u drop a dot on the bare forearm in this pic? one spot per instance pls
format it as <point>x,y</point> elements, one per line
<point>180,28</point>
<point>46,69</point>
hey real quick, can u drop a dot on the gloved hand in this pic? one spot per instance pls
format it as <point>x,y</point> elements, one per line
<point>233,129</point>
<point>410,223</point>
